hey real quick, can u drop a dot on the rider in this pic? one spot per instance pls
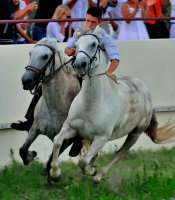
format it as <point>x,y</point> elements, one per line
<point>93,19</point>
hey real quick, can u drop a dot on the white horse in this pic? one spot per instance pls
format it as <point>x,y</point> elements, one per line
<point>105,110</point>
<point>59,87</point>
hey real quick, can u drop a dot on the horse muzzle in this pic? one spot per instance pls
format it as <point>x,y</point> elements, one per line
<point>81,68</point>
<point>29,81</point>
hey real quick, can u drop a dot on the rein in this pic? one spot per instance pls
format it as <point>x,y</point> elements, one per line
<point>112,77</point>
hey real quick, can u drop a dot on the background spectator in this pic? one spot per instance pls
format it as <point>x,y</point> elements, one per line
<point>58,29</point>
<point>136,29</point>
<point>156,28</point>
<point>78,10</point>
<point>172,22</point>
<point>22,36</point>
<point>115,12</point>
<point>7,11</point>
<point>45,10</point>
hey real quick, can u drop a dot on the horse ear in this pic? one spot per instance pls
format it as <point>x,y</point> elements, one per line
<point>97,32</point>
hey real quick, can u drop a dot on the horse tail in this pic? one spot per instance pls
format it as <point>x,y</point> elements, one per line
<point>164,134</point>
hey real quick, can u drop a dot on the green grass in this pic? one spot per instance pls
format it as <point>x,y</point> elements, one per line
<point>141,175</point>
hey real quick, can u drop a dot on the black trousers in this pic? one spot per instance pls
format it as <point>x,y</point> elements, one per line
<point>30,111</point>
<point>158,30</point>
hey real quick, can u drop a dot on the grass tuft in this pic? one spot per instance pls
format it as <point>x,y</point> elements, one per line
<point>141,175</point>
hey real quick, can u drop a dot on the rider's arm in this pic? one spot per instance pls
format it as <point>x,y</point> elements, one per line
<point>70,45</point>
<point>111,50</point>
<point>112,66</point>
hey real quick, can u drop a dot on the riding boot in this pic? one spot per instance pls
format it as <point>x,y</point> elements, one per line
<point>26,125</point>
<point>22,126</point>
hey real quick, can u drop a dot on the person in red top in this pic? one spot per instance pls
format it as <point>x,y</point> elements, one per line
<point>156,28</point>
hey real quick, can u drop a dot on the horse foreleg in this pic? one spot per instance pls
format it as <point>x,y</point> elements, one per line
<point>86,162</point>
<point>66,133</point>
<point>129,142</point>
<point>26,155</point>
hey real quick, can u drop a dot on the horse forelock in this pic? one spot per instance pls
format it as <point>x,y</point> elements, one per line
<point>50,42</point>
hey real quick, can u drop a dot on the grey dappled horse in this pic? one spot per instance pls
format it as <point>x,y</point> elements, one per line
<point>59,87</point>
<point>106,109</point>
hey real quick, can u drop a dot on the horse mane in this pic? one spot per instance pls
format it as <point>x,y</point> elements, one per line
<point>51,42</point>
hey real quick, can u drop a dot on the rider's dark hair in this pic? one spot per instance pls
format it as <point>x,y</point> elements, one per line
<point>95,12</point>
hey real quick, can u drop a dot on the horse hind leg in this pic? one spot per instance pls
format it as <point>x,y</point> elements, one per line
<point>129,142</point>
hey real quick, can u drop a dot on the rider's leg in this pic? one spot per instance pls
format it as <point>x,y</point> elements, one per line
<point>26,125</point>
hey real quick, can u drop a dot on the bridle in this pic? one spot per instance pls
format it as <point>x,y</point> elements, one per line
<point>41,72</point>
<point>51,62</point>
<point>94,57</point>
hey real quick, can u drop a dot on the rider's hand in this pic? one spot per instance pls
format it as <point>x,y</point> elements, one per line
<point>70,51</point>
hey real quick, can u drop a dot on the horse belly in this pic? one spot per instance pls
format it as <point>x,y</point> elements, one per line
<point>136,122</point>
<point>48,122</point>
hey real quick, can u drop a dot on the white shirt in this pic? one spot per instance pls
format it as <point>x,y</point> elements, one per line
<point>106,42</point>
<point>172,2</point>
<point>54,31</point>
<point>22,5</point>
<point>78,11</point>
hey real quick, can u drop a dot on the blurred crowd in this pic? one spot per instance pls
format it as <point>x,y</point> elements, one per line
<point>129,29</point>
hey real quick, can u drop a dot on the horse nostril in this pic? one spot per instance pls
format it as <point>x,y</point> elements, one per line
<point>27,82</point>
<point>83,64</point>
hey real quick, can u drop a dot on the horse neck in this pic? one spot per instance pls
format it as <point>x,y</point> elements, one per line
<point>93,87</point>
<point>55,87</point>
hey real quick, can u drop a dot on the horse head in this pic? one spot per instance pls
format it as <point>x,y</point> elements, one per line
<point>87,52</point>
<point>41,63</point>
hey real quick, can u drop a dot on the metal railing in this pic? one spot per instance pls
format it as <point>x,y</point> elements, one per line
<point>82,19</point>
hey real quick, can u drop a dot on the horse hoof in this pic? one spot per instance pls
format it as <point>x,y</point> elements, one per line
<point>99,176</point>
<point>97,179</point>
<point>89,170</point>
<point>23,154</point>
<point>53,179</point>
<point>55,174</point>
<point>31,155</point>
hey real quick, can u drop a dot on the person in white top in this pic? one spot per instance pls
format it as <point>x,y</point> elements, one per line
<point>115,12</point>
<point>78,10</point>
<point>58,29</point>
<point>172,22</point>
<point>133,29</point>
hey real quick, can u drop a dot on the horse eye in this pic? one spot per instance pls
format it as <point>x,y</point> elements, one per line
<point>93,44</point>
<point>45,57</point>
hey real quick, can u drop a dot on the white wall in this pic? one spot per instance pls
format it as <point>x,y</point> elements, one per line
<point>152,61</point>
